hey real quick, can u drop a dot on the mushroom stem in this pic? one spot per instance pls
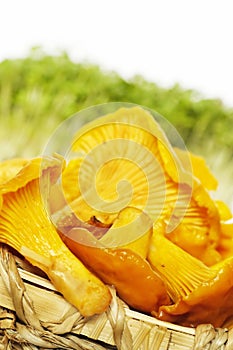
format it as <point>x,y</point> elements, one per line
<point>25,226</point>
<point>182,272</point>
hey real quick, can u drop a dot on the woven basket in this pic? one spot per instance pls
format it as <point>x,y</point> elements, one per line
<point>33,315</point>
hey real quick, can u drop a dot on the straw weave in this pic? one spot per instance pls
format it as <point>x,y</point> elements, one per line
<point>33,315</point>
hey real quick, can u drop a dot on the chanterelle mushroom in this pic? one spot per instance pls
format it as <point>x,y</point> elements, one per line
<point>25,226</point>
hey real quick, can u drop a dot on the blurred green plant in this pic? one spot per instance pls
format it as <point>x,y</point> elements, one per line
<point>40,91</point>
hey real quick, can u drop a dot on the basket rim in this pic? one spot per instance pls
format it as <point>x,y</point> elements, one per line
<point>119,326</point>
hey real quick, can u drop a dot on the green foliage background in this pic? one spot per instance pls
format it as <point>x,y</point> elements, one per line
<point>40,91</point>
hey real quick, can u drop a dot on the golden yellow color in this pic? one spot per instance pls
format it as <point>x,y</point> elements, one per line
<point>10,167</point>
<point>224,211</point>
<point>25,226</point>
<point>70,179</point>
<point>200,294</point>
<point>128,220</point>
<point>225,246</point>
<point>124,159</point>
<point>125,267</point>
<point>199,231</point>
<point>199,167</point>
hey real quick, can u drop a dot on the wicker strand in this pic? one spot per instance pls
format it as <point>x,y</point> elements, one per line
<point>24,334</point>
<point>209,338</point>
<point>229,344</point>
<point>31,327</point>
<point>16,289</point>
<point>116,315</point>
<point>7,319</point>
<point>28,332</point>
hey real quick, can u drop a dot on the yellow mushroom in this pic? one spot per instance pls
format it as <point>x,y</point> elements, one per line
<point>200,294</point>
<point>123,266</point>
<point>117,162</point>
<point>125,159</point>
<point>10,167</point>
<point>25,226</point>
<point>225,246</point>
<point>199,232</point>
<point>123,230</point>
<point>199,167</point>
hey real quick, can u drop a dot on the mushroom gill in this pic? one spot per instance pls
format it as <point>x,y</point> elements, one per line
<point>123,266</point>
<point>125,159</point>
<point>10,167</point>
<point>200,294</point>
<point>25,226</point>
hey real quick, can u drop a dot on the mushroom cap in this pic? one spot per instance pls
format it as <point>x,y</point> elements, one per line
<point>10,167</point>
<point>32,169</point>
<point>124,159</point>
<point>211,302</point>
<point>200,294</point>
<point>26,226</point>
<point>199,167</point>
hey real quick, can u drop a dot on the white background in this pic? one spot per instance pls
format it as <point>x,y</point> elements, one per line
<point>167,41</point>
